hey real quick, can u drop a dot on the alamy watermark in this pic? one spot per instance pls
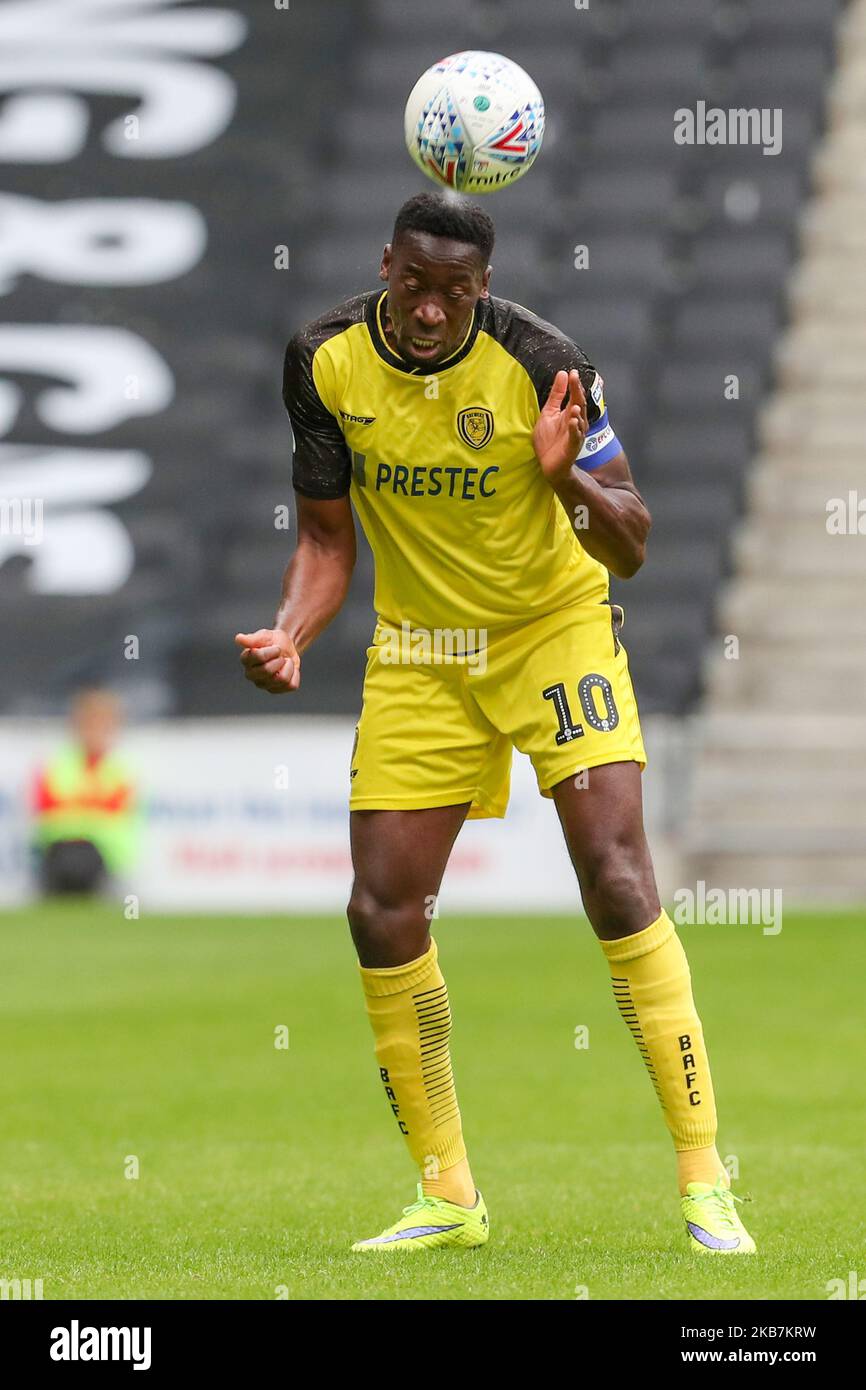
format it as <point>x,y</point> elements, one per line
<point>421,646</point>
<point>846,516</point>
<point>22,516</point>
<point>20,1289</point>
<point>77,1343</point>
<point>853,1287</point>
<point>715,907</point>
<point>739,125</point>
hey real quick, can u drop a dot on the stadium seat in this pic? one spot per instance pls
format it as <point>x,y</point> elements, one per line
<point>609,329</point>
<point>635,135</point>
<point>677,450</point>
<point>351,193</point>
<point>609,198</point>
<point>758,197</point>
<point>372,125</point>
<point>692,387</point>
<point>812,20</point>
<point>386,16</point>
<point>765,75</point>
<point>671,71</point>
<point>744,259</point>
<point>624,396</point>
<point>570,79</point>
<point>735,324</point>
<point>696,505</point>
<point>677,18</point>
<point>616,259</point>
<point>796,129</point>
<point>346,257</point>
<point>511,22</point>
<point>86,637</point>
<point>208,678</point>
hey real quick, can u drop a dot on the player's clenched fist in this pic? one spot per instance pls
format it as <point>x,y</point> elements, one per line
<point>270,660</point>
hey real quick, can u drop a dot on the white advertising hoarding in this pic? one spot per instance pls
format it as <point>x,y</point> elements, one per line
<point>251,814</point>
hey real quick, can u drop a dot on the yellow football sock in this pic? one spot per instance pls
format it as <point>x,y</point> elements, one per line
<point>454,1184</point>
<point>700,1165</point>
<point>653,990</point>
<point>409,1012</point>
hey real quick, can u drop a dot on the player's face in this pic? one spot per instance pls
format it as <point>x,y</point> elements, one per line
<point>433,286</point>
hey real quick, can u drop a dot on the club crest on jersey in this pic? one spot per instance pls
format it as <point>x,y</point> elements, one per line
<point>475,426</point>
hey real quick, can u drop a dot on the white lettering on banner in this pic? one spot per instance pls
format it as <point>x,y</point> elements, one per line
<point>98,241</point>
<point>64,476</point>
<point>81,550</point>
<point>100,362</point>
<point>54,55</point>
<point>43,129</point>
<point>97,47</point>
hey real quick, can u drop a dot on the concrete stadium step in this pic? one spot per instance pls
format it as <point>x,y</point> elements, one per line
<point>833,339</point>
<point>777,801</point>
<point>831,284</point>
<point>791,467</point>
<point>800,789</point>
<point>778,792</point>
<point>835,422</point>
<point>827,813</point>
<point>805,868</point>
<point>801,773</point>
<point>851,29</point>
<point>847,261</point>
<point>838,167</point>
<point>824,355</point>
<point>830,683</point>
<point>794,612</point>
<point>762,731</point>
<point>803,494</point>
<point>821,769</point>
<point>795,546</point>
<point>834,224</point>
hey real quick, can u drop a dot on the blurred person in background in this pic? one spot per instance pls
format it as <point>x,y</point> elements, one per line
<point>84,803</point>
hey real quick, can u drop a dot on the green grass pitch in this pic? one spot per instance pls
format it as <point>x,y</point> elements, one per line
<point>258,1165</point>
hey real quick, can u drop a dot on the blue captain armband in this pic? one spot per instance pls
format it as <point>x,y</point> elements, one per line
<point>600,445</point>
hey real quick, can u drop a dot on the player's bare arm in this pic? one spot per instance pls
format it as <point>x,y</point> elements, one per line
<point>617,518</point>
<point>315,585</point>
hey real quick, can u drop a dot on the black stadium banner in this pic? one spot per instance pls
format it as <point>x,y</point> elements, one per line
<point>157,161</point>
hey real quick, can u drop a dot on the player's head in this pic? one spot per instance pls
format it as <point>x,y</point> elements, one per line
<point>437,266</point>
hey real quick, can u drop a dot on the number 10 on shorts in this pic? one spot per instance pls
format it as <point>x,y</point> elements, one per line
<point>586,688</point>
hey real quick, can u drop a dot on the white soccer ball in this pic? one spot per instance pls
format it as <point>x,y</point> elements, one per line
<point>474,122</point>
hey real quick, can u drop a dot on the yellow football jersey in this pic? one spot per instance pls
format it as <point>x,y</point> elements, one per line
<point>464,529</point>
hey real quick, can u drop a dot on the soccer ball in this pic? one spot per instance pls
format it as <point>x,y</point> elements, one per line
<point>474,121</point>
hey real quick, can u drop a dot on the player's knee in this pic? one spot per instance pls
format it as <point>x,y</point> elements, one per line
<point>616,881</point>
<point>364,910</point>
<point>359,912</point>
<point>383,929</point>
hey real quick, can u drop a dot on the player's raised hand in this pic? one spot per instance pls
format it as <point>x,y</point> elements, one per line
<point>559,433</point>
<point>270,660</point>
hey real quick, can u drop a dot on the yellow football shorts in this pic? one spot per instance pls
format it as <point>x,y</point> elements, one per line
<point>442,710</point>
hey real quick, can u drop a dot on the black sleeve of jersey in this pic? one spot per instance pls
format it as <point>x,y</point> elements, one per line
<point>543,350</point>
<point>321,466</point>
